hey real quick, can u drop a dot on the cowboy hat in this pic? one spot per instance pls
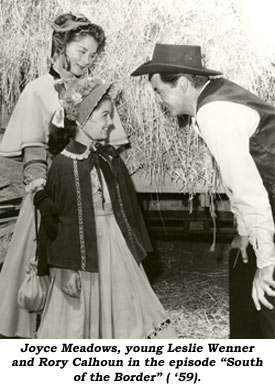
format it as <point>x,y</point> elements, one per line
<point>175,59</point>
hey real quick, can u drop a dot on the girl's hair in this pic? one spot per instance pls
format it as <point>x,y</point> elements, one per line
<point>59,137</point>
<point>80,27</point>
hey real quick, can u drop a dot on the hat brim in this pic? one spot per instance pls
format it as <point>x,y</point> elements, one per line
<point>152,68</point>
<point>91,102</point>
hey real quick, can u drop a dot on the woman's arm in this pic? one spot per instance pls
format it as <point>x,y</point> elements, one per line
<point>34,168</point>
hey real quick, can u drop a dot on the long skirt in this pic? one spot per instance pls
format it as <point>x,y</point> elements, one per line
<point>117,302</point>
<point>14,321</point>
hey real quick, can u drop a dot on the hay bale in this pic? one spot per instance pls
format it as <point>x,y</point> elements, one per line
<point>133,27</point>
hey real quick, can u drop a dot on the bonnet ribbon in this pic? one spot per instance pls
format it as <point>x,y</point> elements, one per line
<point>106,152</point>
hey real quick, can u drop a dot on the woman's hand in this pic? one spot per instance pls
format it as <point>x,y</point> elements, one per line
<point>70,282</point>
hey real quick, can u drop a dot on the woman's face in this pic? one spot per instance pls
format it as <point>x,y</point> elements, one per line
<point>80,54</point>
<point>100,122</point>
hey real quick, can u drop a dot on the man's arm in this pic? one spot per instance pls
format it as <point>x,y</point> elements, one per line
<point>226,128</point>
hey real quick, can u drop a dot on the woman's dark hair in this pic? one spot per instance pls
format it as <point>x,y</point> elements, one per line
<point>62,34</point>
<point>59,137</point>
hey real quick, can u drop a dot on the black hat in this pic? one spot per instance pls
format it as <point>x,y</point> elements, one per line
<point>175,59</point>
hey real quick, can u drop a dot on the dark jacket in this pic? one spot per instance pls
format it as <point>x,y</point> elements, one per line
<point>69,186</point>
<point>262,142</point>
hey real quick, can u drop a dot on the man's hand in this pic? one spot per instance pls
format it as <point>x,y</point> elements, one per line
<point>263,284</point>
<point>241,243</point>
<point>71,282</point>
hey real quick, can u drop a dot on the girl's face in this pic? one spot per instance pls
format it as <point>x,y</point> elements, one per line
<point>81,53</point>
<point>99,123</point>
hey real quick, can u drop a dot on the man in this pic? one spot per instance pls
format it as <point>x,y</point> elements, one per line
<point>239,129</point>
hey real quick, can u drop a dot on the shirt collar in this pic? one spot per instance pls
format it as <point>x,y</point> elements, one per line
<point>202,89</point>
<point>204,86</point>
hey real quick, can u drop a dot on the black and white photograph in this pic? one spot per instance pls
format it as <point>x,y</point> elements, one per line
<point>137,170</point>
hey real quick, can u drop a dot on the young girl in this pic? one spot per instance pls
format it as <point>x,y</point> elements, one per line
<point>76,41</point>
<point>98,286</point>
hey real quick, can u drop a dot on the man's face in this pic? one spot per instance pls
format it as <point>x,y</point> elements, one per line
<point>174,97</point>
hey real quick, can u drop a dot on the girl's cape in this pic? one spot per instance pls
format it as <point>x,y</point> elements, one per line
<point>69,186</point>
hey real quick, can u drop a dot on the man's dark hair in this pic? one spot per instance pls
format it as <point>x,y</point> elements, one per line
<point>172,78</point>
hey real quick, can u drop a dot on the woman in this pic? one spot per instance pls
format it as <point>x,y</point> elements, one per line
<point>75,43</point>
<point>98,287</point>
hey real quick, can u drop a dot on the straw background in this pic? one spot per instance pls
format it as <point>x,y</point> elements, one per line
<point>132,28</point>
